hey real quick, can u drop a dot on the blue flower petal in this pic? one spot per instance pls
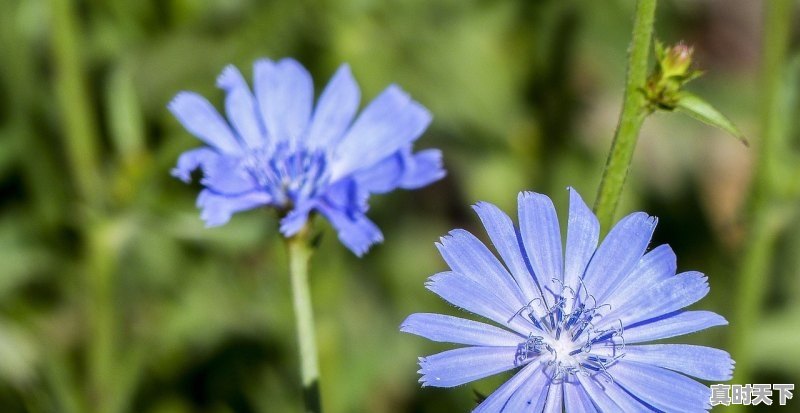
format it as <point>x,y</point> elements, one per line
<point>191,160</point>
<point>466,255</point>
<point>623,399</point>
<point>672,325</point>
<point>499,398</point>
<point>530,396</point>
<point>203,121</point>
<point>296,219</point>
<point>422,168</point>
<point>576,399</point>
<point>218,209</point>
<point>223,176</point>
<point>702,362</point>
<point>386,125</point>
<point>656,266</point>
<point>402,169</point>
<point>555,399</point>
<point>542,239</point>
<point>583,231</point>
<point>463,365</point>
<point>505,239</point>
<point>618,253</point>
<point>335,109</point>
<point>355,230</point>
<point>462,291</point>
<point>597,393</point>
<point>384,176</point>
<point>285,92</point>
<point>449,329</point>
<point>663,298</point>
<point>663,389</point>
<point>240,107</point>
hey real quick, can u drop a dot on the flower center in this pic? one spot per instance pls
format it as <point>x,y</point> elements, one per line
<point>564,336</point>
<point>288,174</point>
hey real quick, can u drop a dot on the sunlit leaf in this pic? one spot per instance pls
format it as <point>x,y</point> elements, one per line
<point>701,110</point>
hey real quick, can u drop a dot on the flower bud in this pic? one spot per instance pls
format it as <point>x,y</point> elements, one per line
<point>676,60</point>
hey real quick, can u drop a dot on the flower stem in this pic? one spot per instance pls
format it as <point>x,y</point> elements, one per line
<point>102,317</point>
<point>300,251</point>
<point>755,266</point>
<point>80,133</point>
<point>81,147</point>
<point>634,111</point>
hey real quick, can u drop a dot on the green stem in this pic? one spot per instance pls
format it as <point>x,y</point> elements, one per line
<point>300,251</point>
<point>81,145</point>
<point>755,266</point>
<point>634,111</point>
<point>80,134</point>
<point>101,312</point>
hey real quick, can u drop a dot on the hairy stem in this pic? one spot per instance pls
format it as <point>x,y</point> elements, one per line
<point>634,111</point>
<point>300,251</point>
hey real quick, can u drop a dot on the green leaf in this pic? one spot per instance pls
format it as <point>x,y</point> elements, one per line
<point>699,109</point>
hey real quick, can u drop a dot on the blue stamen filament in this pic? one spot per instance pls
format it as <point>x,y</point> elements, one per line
<point>569,354</point>
<point>287,174</point>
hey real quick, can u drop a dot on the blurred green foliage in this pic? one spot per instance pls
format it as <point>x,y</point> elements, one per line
<point>114,298</point>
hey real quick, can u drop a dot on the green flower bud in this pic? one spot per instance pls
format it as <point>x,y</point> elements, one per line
<point>676,60</point>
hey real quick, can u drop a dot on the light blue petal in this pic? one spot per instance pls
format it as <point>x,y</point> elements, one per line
<point>463,365</point>
<point>191,160</point>
<point>656,266</point>
<point>663,298</point>
<point>597,393</point>
<point>335,109</point>
<point>702,362</point>
<point>618,254</point>
<point>386,125</point>
<point>347,196</point>
<point>423,168</point>
<point>449,329</point>
<point>621,398</point>
<point>355,230</point>
<point>463,292</point>
<point>383,176</point>
<point>285,93</point>
<point>506,241</point>
<point>676,324</point>
<point>240,107</point>
<point>530,396</point>
<point>224,176</point>
<point>576,399</point>
<point>663,389</point>
<point>203,121</point>
<point>542,239</point>
<point>555,398</point>
<point>218,209</point>
<point>583,231</point>
<point>296,219</point>
<point>499,398</point>
<point>467,255</point>
<point>402,169</point>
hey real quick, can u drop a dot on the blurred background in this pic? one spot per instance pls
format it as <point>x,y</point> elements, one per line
<point>115,298</point>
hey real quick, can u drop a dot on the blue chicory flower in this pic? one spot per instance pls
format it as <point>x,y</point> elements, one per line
<point>281,152</point>
<point>573,323</point>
